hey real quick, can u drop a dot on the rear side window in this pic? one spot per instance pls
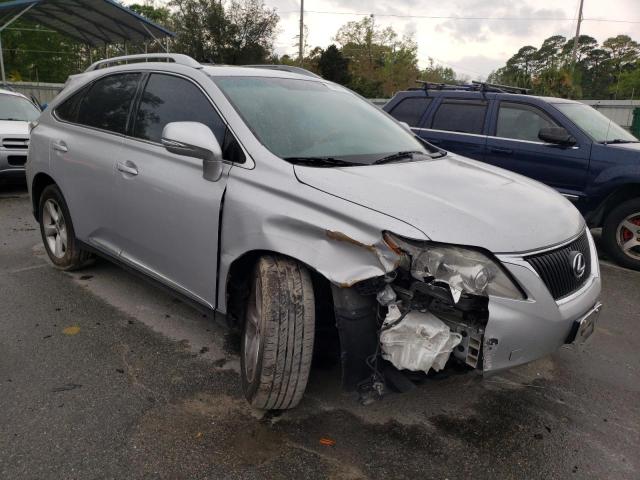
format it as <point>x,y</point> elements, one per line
<point>460,116</point>
<point>410,110</point>
<point>68,110</point>
<point>107,102</point>
<point>521,122</point>
<point>167,99</point>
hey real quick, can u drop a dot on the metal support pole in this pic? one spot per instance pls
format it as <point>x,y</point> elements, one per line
<point>13,19</point>
<point>4,78</point>
<point>301,39</point>
<point>574,53</point>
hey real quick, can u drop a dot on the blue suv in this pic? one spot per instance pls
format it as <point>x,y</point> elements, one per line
<point>568,145</point>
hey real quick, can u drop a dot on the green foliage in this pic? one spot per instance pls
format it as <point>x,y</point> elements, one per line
<point>334,66</point>
<point>380,63</point>
<point>600,71</point>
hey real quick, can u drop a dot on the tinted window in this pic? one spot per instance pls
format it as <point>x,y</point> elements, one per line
<point>167,99</point>
<point>460,116</point>
<point>410,110</point>
<point>68,110</point>
<point>521,122</point>
<point>106,104</point>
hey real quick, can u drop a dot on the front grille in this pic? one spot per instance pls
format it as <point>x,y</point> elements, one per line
<point>556,270</point>
<point>17,160</point>
<point>15,143</point>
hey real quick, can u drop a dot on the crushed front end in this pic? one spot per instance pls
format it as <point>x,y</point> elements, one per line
<point>445,304</point>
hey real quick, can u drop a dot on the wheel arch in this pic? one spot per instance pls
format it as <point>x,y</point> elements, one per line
<point>622,193</point>
<point>39,183</point>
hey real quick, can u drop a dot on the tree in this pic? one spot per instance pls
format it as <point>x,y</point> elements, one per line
<point>239,32</point>
<point>438,74</point>
<point>379,62</point>
<point>334,66</point>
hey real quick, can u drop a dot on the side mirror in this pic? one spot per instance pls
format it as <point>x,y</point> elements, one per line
<point>194,139</point>
<point>556,135</point>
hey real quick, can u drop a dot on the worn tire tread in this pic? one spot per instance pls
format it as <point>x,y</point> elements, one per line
<point>288,308</point>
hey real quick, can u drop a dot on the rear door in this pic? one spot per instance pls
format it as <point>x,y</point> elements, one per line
<point>514,145</point>
<point>457,125</point>
<point>85,141</point>
<point>168,213</point>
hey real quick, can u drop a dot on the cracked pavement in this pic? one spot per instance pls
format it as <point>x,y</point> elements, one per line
<point>104,376</point>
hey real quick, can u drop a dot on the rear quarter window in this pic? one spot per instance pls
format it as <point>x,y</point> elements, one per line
<point>462,116</point>
<point>410,110</point>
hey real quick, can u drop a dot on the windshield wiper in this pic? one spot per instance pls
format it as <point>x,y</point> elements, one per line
<point>620,140</point>
<point>395,157</point>
<point>408,155</point>
<point>320,161</point>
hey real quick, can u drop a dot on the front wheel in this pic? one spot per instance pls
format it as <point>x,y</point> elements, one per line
<point>277,343</point>
<point>621,234</point>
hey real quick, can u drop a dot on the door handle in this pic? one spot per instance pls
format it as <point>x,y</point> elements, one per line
<point>127,167</point>
<point>505,151</point>
<point>61,147</point>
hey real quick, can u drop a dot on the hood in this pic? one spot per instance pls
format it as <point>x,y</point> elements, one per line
<point>456,200</point>
<point>11,127</point>
<point>631,147</point>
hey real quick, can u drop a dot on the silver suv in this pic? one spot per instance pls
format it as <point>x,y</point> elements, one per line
<point>293,206</point>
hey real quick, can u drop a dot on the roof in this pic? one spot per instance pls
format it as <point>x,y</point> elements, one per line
<point>94,22</point>
<point>4,91</point>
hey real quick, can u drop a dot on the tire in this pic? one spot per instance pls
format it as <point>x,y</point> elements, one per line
<point>57,231</point>
<point>278,334</point>
<point>622,225</point>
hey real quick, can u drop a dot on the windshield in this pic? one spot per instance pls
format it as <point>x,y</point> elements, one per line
<point>17,108</point>
<point>316,121</point>
<point>593,123</point>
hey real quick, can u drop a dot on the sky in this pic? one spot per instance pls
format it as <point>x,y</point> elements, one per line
<point>471,46</point>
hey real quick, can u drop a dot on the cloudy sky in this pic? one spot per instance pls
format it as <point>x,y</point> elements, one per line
<point>471,46</point>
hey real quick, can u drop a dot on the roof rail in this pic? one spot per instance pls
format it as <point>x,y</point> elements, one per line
<point>146,57</point>
<point>475,86</point>
<point>503,88</point>
<point>286,68</point>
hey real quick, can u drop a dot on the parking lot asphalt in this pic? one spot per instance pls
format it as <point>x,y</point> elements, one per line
<point>104,376</point>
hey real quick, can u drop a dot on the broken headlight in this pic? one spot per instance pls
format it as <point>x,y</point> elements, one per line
<point>464,270</point>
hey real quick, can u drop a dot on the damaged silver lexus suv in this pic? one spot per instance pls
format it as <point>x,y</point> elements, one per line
<point>293,206</point>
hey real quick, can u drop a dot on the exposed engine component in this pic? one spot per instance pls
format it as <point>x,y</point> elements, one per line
<point>417,341</point>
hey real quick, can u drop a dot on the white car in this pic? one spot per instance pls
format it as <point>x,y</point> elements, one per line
<point>16,111</point>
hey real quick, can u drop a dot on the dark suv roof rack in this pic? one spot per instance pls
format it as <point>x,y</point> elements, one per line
<point>475,86</point>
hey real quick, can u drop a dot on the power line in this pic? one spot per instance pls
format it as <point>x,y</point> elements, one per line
<point>455,17</point>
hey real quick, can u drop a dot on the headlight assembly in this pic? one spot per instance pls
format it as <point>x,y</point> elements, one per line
<point>465,270</point>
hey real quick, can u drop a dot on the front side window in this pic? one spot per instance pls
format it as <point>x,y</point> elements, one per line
<point>15,108</point>
<point>107,102</point>
<point>308,119</point>
<point>521,122</point>
<point>410,110</point>
<point>166,99</point>
<point>600,128</point>
<point>462,116</point>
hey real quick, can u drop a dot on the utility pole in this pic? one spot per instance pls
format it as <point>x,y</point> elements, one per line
<point>301,40</point>
<point>574,53</point>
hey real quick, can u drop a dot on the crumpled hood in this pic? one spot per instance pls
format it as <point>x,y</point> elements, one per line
<point>11,127</point>
<point>456,200</point>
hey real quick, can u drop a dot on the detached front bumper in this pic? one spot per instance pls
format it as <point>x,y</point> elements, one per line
<point>520,331</point>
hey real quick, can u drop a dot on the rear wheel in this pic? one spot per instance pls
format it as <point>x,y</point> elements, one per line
<point>277,342</point>
<point>57,231</point>
<point>621,234</point>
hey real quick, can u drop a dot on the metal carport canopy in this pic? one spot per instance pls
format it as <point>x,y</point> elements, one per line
<point>93,22</point>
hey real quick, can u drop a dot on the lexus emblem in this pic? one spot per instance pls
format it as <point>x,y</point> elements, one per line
<point>578,265</point>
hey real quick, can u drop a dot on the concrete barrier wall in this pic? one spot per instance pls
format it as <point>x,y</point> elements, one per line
<point>43,92</point>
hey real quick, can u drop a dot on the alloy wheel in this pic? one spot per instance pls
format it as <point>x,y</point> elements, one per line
<point>252,332</point>
<point>55,229</point>
<point>628,236</point>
